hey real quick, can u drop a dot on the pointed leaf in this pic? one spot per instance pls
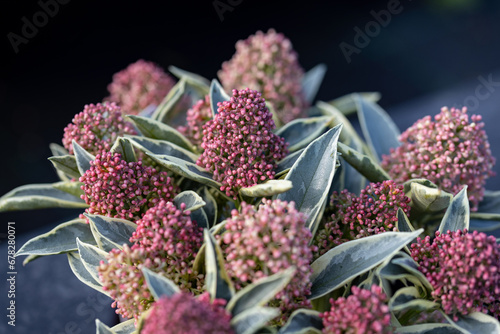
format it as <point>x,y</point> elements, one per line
<point>312,175</point>
<point>71,187</point>
<point>428,329</point>
<point>217,94</point>
<point>260,292</point>
<point>302,131</point>
<point>82,273</point>
<point>112,231</point>
<point>159,285</point>
<point>190,78</point>
<point>286,163</point>
<point>57,150</point>
<point>303,321</point>
<point>363,164</point>
<point>268,188</point>
<point>102,328</point>
<point>218,283</point>
<point>476,323</point>
<point>379,129</point>
<point>126,327</point>
<point>348,260</point>
<point>83,158</point>
<point>66,164</point>
<point>30,258</point>
<point>347,104</point>
<point>457,215</point>
<point>38,196</point>
<point>162,147</point>
<point>409,298</point>
<point>157,130</point>
<point>251,320</point>
<point>312,81</point>
<point>61,239</point>
<point>166,108</point>
<point>91,257</point>
<point>427,198</point>
<point>192,200</point>
<point>211,208</point>
<point>124,147</point>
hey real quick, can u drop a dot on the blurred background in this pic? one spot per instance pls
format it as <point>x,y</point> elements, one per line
<point>424,55</point>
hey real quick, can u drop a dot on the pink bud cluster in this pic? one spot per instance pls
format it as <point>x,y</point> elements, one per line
<point>260,243</point>
<point>166,241</point>
<point>267,62</point>
<point>464,270</point>
<point>363,312</point>
<point>239,146</point>
<point>196,117</point>
<point>374,211</point>
<point>96,128</point>
<point>138,86</point>
<point>184,314</point>
<point>116,188</point>
<point>451,150</point>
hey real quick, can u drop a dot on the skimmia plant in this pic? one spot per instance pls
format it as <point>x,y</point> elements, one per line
<point>249,208</point>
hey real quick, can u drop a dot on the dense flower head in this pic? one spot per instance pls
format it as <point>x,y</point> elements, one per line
<point>96,128</point>
<point>451,150</point>
<point>184,314</point>
<point>374,211</point>
<point>267,62</point>
<point>139,86</point>
<point>463,268</point>
<point>259,243</point>
<point>116,188</point>
<point>239,146</point>
<point>363,312</point>
<point>197,116</point>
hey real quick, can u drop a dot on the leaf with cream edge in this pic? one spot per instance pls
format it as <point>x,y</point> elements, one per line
<point>91,257</point>
<point>77,267</point>
<point>159,285</point>
<point>302,131</point>
<point>217,282</point>
<point>287,162</point>
<point>111,232</point>
<point>202,84</point>
<point>211,208</point>
<point>251,320</point>
<point>303,321</point>
<point>348,260</point>
<point>217,94</point>
<point>192,200</point>
<point>346,104</point>
<point>123,146</point>
<point>83,158</point>
<point>73,188</point>
<point>61,239</point>
<point>162,147</point>
<point>363,164</point>
<point>475,323</point>
<point>58,151</point>
<point>101,328</point>
<point>165,110</point>
<point>409,298</point>
<point>312,175</point>
<point>66,164</point>
<point>39,196</point>
<point>379,130</point>
<point>268,188</point>
<point>126,327</point>
<point>457,215</point>
<point>312,81</point>
<point>427,197</point>
<point>428,329</point>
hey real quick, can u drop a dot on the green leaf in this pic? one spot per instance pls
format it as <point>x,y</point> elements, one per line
<point>91,257</point>
<point>126,327</point>
<point>404,261</point>
<point>217,282</point>
<point>192,200</point>
<point>111,232</point>
<point>193,79</point>
<point>403,224</point>
<point>38,196</point>
<point>348,260</point>
<point>157,130</point>
<point>200,218</point>
<point>82,273</point>
<point>428,329</point>
<point>83,158</point>
<point>124,147</point>
<point>287,162</point>
<point>159,285</point>
<point>61,239</point>
<point>71,187</point>
<point>379,130</point>
<point>312,81</point>
<point>217,94</point>
<point>347,104</point>
<point>426,196</point>
<point>211,208</point>
<point>30,258</point>
<point>457,215</point>
<point>260,292</point>
<point>476,323</point>
<point>66,164</point>
<point>409,298</point>
<point>57,150</point>
<point>102,328</point>
<point>363,164</point>
<point>249,321</point>
<point>302,131</point>
<point>303,321</point>
<point>162,147</point>
<point>268,188</point>
<point>312,175</point>
<point>186,169</point>
<point>166,109</point>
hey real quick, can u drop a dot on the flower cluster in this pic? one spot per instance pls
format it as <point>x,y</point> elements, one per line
<point>96,128</point>
<point>116,188</point>
<point>363,312</point>
<point>267,62</point>
<point>183,314</point>
<point>450,151</point>
<point>260,243</point>
<point>196,117</point>
<point>463,268</point>
<point>166,241</point>
<point>139,86</point>
<point>372,212</point>
<point>239,146</point>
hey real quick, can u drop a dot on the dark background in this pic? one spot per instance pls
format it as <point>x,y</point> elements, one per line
<point>431,54</point>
